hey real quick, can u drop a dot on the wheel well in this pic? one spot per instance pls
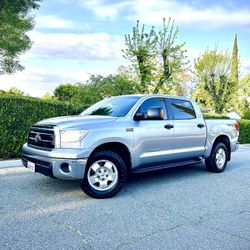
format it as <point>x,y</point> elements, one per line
<point>224,139</point>
<point>118,148</point>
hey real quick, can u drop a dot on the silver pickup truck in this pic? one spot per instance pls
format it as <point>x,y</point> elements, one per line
<point>128,134</point>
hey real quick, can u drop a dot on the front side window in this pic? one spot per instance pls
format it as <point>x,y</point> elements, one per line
<point>152,103</point>
<point>182,109</point>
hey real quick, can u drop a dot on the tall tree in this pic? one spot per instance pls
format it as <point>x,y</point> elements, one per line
<point>235,64</point>
<point>15,21</point>
<point>140,49</point>
<point>213,74</point>
<point>172,54</point>
<point>156,55</point>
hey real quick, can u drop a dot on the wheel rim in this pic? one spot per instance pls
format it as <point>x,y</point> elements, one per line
<point>102,175</point>
<point>220,158</point>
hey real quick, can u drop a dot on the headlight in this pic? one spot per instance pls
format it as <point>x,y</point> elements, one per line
<point>72,135</point>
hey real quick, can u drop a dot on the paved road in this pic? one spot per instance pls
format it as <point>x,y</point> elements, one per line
<point>183,208</point>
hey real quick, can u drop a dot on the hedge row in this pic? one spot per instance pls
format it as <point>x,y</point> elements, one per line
<point>18,113</point>
<point>244,131</point>
<point>214,116</point>
<point>246,113</point>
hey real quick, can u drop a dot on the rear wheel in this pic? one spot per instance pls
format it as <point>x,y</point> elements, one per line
<point>217,161</point>
<point>105,175</point>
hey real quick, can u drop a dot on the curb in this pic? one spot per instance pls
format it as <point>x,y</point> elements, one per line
<point>10,164</point>
<point>247,145</point>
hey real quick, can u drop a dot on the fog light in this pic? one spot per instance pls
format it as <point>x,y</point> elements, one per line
<point>66,168</point>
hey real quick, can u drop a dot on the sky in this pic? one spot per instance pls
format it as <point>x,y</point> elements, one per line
<point>73,39</point>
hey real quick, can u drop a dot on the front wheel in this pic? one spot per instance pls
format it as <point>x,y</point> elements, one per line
<point>105,175</point>
<point>217,161</point>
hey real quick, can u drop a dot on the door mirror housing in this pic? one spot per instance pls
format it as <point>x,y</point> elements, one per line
<point>156,113</point>
<point>139,116</point>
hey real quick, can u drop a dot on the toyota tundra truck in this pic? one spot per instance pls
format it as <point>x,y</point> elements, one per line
<point>128,134</point>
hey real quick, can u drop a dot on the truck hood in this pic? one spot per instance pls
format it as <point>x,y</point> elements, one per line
<point>67,122</point>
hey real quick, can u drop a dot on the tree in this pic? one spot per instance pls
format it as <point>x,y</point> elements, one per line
<point>243,103</point>
<point>96,88</point>
<point>48,96</point>
<point>235,64</point>
<point>239,97</point>
<point>156,56</point>
<point>172,54</point>
<point>140,49</point>
<point>15,91</point>
<point>213,75</point>
<point>76,93</point>
<point>112,85</point>
<point>15,22</point>
<point>244,86</point>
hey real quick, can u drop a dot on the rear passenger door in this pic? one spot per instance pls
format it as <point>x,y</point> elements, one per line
<point>190,130</point>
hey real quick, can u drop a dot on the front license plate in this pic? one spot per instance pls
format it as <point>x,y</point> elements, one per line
<point>31,166</point>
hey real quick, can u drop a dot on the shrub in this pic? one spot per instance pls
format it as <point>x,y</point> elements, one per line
<point>244,131</point>
<point>214,116</point>
<point>18,113</point>
<point>246,113</point>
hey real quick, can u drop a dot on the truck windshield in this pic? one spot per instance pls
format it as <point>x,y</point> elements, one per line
<point>115,106</point>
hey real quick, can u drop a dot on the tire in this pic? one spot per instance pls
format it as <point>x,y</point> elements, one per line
<point>105,175</point>
<point>217,161</point>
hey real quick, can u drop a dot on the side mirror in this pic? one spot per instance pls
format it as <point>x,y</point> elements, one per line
<point>139,116</point>
<point>155,113</point>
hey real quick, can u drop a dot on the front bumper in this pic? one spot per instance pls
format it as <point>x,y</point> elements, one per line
<point>66,169</point>
<point>235,146</point>
<point>61,164</point>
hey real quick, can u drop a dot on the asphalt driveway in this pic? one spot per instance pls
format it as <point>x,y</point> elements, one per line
<point>182,208</point>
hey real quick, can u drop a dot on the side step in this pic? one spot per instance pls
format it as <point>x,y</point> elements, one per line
<point>168,165</point>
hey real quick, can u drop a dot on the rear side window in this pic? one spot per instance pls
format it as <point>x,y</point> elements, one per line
<point>182,109</point>
<point>152,103</point>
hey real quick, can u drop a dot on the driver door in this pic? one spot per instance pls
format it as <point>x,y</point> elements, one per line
<point>154,139</point>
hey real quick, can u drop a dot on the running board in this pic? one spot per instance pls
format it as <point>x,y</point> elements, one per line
<point>169,165</point>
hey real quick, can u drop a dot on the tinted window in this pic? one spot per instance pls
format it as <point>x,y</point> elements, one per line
<point>182,109</point>
<point>115,106</point>
<point>152,103</point>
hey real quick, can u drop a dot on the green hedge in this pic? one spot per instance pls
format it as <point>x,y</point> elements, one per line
<point>244,131</point>
<point>18,113</point>
<point>214,116</point>
<point>246,113</point>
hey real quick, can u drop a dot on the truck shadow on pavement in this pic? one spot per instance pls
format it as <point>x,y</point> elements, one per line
<point>136,182</point>
<point>175,173</point>
<point>170,174</point>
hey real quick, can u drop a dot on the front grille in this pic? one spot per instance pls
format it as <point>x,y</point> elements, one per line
<point>42,137</point>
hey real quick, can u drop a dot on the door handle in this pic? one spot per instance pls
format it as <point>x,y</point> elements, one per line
<point>200,125</point>
<point>168,126</point>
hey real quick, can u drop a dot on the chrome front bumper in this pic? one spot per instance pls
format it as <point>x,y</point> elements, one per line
<point>62,164</point>
<point>235,146</point>
<point>66,169</point>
